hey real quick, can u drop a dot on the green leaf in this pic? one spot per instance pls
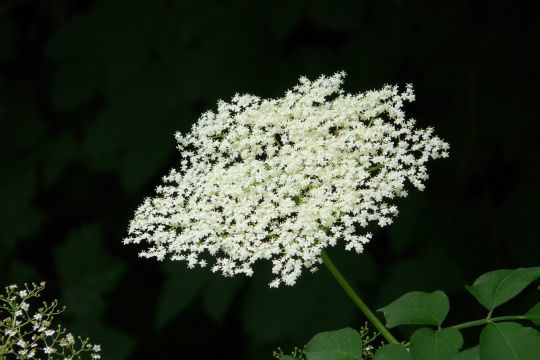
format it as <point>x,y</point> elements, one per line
<point>288,357</point>
<point>295,305</point>
<point>87,271</point>
<point>19,216</point>
<point>21,272</point>
<point>56,154</point>
<point>181,288</point>
<point>7,37</point>
<point>83,76</point>
<point>534,314</point>
<point>344,344</point>
<point>417,308</point>
<point>469,354</point>
<point>428,344</point>
<point>497,287</point>
<point>115,343</point>
<point>219,295</point>
<point>509,341</point>
<point>392,352</point>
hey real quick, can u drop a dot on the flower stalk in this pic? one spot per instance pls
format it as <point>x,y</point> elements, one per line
<point>357,300</point>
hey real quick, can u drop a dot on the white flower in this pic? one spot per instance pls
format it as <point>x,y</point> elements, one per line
<point>282,179</point>
<point>31,332</point>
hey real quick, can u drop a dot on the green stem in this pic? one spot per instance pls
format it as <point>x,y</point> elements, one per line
<point>487,321</point>
<point>357,300</point>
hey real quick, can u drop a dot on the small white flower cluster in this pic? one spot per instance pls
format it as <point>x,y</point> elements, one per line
<point>282,179</point>
<point>28,334</point>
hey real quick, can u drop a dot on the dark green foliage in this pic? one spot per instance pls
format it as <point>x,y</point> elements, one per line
<point>87,273</point>
<point>183,286</point>
<point>303,308</point>
<point>498,339</point>
<point>92,91</point>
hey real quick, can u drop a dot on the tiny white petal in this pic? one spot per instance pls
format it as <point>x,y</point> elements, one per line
<point>283,179</point>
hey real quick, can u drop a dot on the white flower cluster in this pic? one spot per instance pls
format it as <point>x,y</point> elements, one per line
<point>26,333</point>
<point>282,179</point>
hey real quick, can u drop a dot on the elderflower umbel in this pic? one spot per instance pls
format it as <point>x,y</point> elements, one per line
<point>28,336</point>
<point>282,179</point>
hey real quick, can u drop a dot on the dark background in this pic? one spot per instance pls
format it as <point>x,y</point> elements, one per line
<point>92,91</point>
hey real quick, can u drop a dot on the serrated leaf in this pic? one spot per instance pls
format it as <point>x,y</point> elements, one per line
<point>344,344</point>
<point>534,314</point>
<point>417,308</point>
<point>509,341</point>
<point>469,354</point>
<point>497,287</point>
<point>392,352</point>
<point>428,344</point>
